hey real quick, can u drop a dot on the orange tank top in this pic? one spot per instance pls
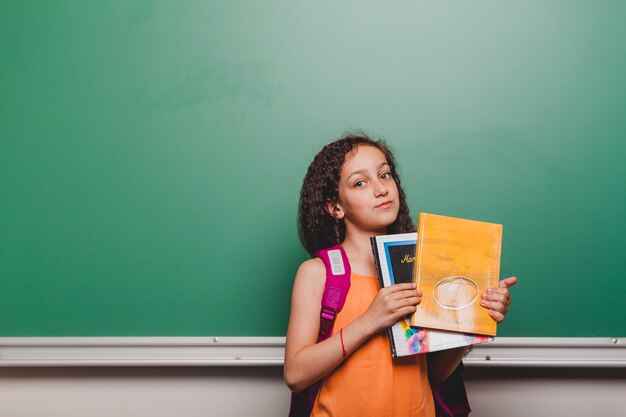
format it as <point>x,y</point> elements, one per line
<point>370,382</point>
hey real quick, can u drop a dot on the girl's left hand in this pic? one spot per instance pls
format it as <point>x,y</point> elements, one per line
<point>498,300</point>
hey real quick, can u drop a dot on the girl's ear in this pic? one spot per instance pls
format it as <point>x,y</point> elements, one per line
<point>334,210</point>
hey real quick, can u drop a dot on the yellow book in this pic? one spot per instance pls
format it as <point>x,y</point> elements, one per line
<point>456,260</point>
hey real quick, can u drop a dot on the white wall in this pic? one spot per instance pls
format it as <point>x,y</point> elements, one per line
<point>259,391</point>
<point>562,392</point>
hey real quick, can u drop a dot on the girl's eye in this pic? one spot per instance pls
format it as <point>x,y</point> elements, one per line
<point>385,176</point>
<point>360,183</point>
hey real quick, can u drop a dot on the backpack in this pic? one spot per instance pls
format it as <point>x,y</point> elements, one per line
<point>449,396</point>
<point>335,292</point>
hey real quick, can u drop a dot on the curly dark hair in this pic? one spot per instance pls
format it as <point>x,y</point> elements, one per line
<point>317,229</point>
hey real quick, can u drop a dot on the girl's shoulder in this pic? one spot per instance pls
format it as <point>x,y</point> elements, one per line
<point>313,268</point>
<point>311,276</point>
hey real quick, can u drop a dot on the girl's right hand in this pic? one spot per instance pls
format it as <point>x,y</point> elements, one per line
<point>390,305</point>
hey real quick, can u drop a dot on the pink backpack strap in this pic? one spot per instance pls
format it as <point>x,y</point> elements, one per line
<point>336,287</point>
<point>335,292</point>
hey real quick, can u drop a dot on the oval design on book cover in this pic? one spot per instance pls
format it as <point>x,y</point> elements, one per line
<point>455,293</point>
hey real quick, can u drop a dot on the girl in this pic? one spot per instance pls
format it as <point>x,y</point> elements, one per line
<point>351,192</point>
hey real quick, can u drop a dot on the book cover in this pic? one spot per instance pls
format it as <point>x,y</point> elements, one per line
<point>394,256</point>
<point>456,260</point>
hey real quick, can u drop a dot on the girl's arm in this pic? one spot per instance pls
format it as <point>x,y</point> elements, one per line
<point>307,361</point>
<point>497,300</point>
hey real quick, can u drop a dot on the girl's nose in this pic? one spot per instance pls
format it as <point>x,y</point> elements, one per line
<point>380,189</point>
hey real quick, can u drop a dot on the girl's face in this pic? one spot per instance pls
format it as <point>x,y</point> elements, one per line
<point>368,195</point>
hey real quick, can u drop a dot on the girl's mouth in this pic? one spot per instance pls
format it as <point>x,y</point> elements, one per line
<point>384,205</point>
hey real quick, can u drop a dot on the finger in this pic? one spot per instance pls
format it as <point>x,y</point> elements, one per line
<point>410,293</point>
<point>498,290</point>
<point>405,311</point>
<point>503,287</point>
<point>494,305</point>
<point>507,282</point>
<point>497,316</point>
<point>497,293</point>
<point>413,301</point>
<point>402,287</point>
<point>392,302</point>
<point>498,297</point>
<point>399,295</point>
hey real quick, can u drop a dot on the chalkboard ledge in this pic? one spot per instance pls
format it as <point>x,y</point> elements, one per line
<point>269,351</point>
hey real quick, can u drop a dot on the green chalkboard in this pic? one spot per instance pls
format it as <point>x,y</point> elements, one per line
<point>151,152</point>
